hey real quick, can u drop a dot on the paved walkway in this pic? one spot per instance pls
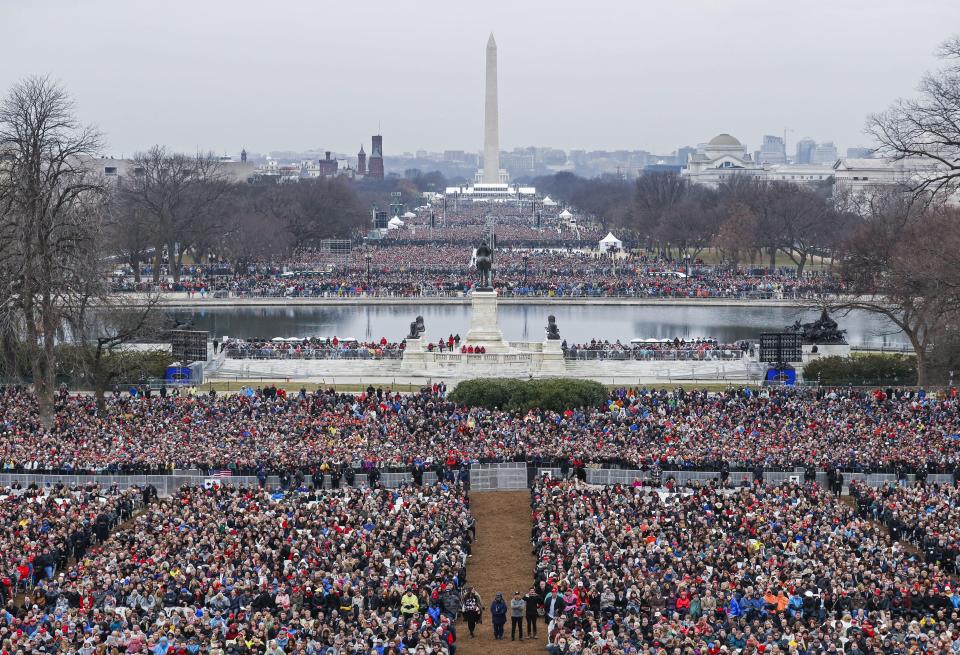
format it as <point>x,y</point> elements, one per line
<point>502,561</point>
<point>911,548</point>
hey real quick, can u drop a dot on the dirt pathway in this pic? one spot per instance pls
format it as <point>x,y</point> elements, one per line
<point>906,545</point>
<point>501,561</point>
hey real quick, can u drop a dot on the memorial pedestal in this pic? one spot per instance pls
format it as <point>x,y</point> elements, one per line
<point>812,352</point>
<point>414,354</point>
<point>499,357</point>
<point>552,359</point>
<point>484,329</point>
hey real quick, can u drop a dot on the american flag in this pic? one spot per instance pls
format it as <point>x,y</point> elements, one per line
<point>223,473</point>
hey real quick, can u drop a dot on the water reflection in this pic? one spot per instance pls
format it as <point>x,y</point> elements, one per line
<point>527,322</point>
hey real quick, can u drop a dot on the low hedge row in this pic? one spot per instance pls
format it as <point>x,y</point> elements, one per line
<point>557,394</point>
<point>863,369</point>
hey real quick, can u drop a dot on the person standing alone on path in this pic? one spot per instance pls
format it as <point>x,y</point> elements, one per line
<point>472,609</point>
<point>838,484</point>
<point>517,606</point>
<point>498,615</point>
<point>532,606</point>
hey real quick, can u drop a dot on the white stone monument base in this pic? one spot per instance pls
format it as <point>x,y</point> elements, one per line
<point>414,354</point>
<point>484,329</point>
<point>552,358</point>
<point>825,350</point>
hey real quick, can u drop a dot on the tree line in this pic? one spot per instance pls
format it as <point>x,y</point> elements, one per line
<point>172,206</point>
<point>744,220</point>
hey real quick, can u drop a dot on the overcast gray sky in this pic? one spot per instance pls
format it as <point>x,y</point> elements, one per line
<point>298,74</point>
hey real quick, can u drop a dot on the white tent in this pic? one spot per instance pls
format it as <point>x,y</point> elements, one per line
<point>610,242</point>
<point>409,215</point>
<point>394,223</point>
<point>566,215</point>
<point>549,202</point>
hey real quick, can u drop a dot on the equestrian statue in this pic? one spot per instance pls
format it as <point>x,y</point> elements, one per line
<point>484,261</point>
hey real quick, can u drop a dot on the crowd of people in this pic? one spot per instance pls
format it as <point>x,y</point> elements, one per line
<point>645,349</point>
<point>223,570</point>
<point>468,224</point>
<point>44,527</point>
<point>709,568</point>
<point>309,348</point>
<point>333,348</point>
<point>261,431</point>
<point>733,565</point>
<point>927,515</point>
<point>515,231</point>
<point>411,269</point>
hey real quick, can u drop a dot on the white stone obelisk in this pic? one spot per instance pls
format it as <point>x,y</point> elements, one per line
<point>491,119</point>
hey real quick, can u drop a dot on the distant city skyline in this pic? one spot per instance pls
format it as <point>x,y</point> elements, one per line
<point>219,76</point>
<point>476,154</point>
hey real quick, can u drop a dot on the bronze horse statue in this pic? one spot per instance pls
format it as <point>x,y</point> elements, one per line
<point>484,261</point>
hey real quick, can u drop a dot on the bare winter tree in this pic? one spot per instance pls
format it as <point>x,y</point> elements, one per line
<point>130,233</point>
<point>901,265</point>
<point>315,209</point>
<point>928,126</point>
<point>178,194</point>
<point>690,223</point>
<point>736,233</point>
<point>104,331</point>
<point>656,201</point>
<point>804,222</point>
<point>50,218</point>
<point>760,197</point>
<point>252,234</point>
<point>785,218</point>
<point>105,327</point>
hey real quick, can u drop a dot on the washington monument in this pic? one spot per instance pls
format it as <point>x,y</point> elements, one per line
<point>491,119</point>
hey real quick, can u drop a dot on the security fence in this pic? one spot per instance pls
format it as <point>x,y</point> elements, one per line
<point>483,477</point>
<point>164,484</point>
<point>492,477</point>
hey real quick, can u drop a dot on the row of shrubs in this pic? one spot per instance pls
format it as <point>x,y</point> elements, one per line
<point>557,394</point>
<point>894,370</point>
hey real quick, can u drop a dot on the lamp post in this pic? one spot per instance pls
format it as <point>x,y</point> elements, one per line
<point>211,268</point>
<point>210,290</point>
<point>526,260</point>
<point>368,257</point>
